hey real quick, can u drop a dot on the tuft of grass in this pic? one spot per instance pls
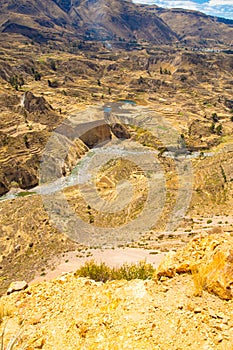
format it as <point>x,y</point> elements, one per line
<point>4,311</point>
<point>102,272</point>
<point>198,280</point>
<point>13,341</point>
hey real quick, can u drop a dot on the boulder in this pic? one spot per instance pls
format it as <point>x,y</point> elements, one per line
<point>94,133</point>
<point>17,286</point>
<point>34,104</point>
<point>3,188</point>
<point>167,267</point>
<point>209,257</point>
<point>120,131</point>
<point>217,272</point>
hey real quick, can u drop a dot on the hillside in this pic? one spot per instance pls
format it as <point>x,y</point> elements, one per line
<point>99,20</point>
<point>196,28</point>
<point>116,144</point>
<point>42,85</point>
<point>111,20</point>
<point>170,311</point>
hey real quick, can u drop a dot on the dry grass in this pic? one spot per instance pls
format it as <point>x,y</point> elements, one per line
<point>5,310</point>
<point>12,342</point>
<point>104,273</point>
<point>198,280</point>
<point>205,273</point>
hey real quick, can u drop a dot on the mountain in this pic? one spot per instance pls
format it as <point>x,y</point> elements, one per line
<point>97,19</point>
<point>194,27</point>
<point>111,20</point>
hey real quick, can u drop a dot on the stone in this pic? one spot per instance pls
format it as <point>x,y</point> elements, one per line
<point>167,268</point>
<point>218,272</point>
<point>17,286</point>
<point>209,258</point>
<point>197,310</point>
<point>120,131</point>
<point>212,313</point>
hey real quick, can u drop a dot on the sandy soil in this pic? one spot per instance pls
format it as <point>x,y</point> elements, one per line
<point>71,261</point>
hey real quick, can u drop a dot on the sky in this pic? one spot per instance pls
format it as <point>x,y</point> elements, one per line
<point>220,8</point>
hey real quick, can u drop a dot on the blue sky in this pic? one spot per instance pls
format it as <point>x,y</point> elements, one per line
<point>220,8</point>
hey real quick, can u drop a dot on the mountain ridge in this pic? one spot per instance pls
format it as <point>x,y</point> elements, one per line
<point>103,20</point>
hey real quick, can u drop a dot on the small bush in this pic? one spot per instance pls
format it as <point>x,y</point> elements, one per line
<point>209,221</point>
<point>53,83</point>
<point>215,117</point>
<point>104,273</point>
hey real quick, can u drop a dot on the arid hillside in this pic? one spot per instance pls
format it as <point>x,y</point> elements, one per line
<point>186,305</point>
<point>98,20</point>
<point>44,85</point>
<point>196,28</point>
<point>116,21</point>
<point>136,101</point>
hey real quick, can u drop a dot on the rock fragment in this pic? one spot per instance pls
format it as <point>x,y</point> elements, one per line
<point>17,286</point>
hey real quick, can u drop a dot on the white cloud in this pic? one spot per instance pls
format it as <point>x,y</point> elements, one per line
<point>221,8</point>
<point>220,2</point>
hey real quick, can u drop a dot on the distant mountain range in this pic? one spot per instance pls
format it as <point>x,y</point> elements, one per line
<point>43,20</point>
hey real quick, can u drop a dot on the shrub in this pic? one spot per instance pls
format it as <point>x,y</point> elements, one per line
<point>219,129</point>
<point>183,78</point>
<point>53,65</point>
<point>16,81</point>
<point>212,128</point>
<point>215,117</point>
<point>25,193</point>
<point>37,76</point>
<point>104,273</point>
<point>53,83</point>
<point>96,272</point>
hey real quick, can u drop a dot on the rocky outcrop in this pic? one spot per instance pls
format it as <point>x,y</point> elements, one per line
<point>201,135</point>
<point>34,104</point>
<point>120,131</point>
<point>23,137</point>
<point>3,188</point>
<point>95,133</point>
<point>21,175</point>
<point>209,257</point>
<point>76,151</point>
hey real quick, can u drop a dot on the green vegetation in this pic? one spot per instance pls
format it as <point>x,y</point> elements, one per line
<point>104,273</point>
<point>16,81</point>
<point>36,74</point>
<point>53,83</point>
<point>24,193</point>
<point>216,130</point>
<point>215,117</point>
<point>53,65</point>
<point>219,129</point>
<point>26,142</point>
<point>164,71</point>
